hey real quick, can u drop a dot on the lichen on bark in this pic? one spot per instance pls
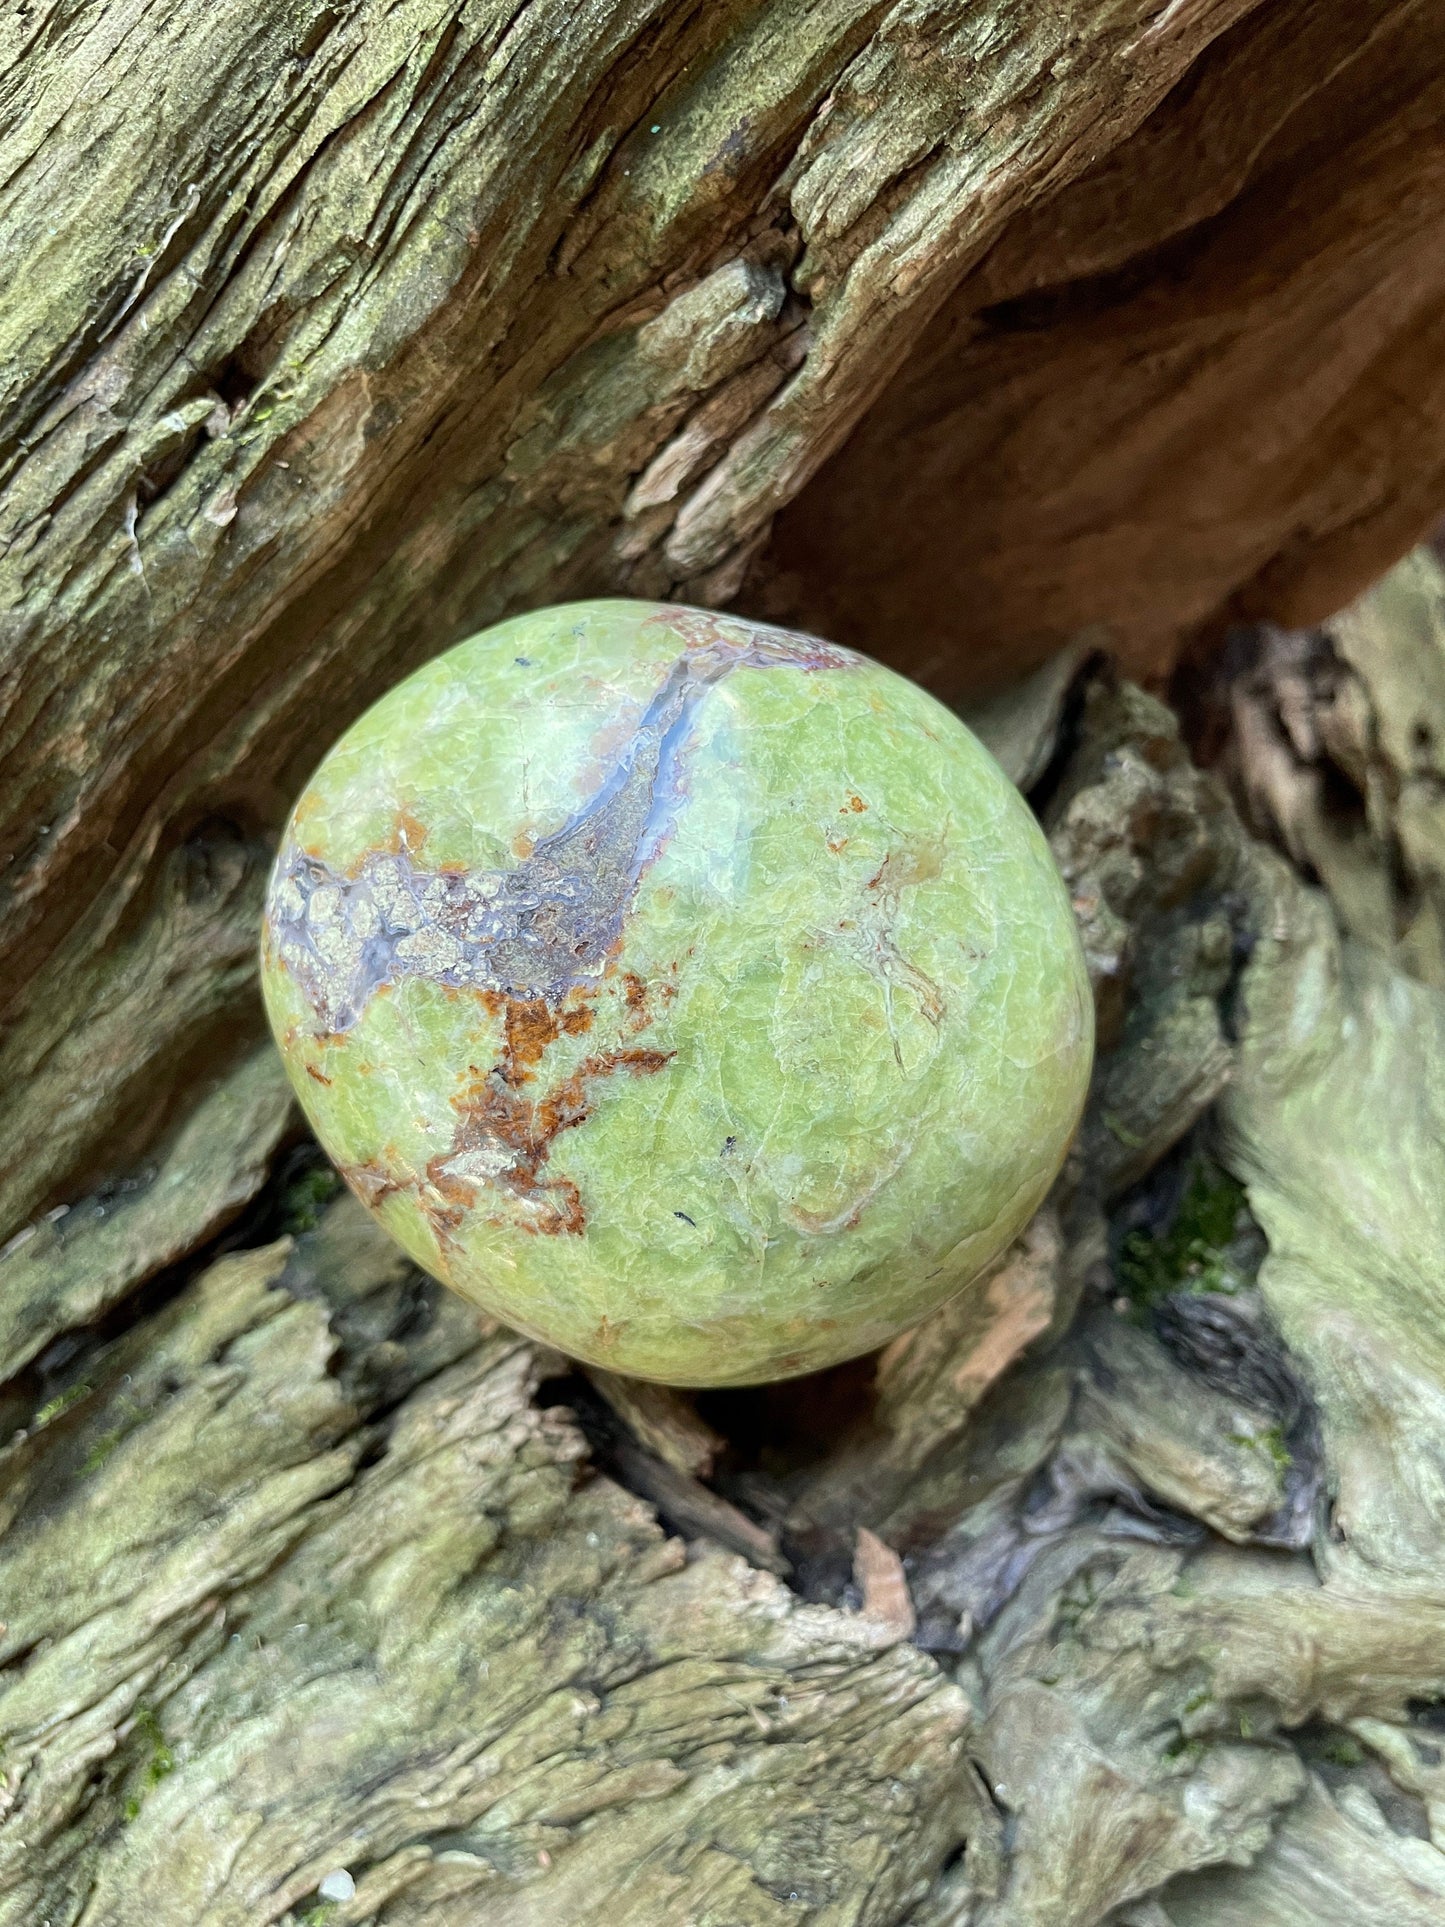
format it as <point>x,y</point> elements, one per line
<point>336,331</point>
<point>433,313</point>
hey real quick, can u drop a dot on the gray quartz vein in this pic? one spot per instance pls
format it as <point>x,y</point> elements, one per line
<point>543,927</point>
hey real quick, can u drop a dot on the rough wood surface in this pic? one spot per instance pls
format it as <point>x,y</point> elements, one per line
<point>1331,744</point>
<point>1111,1595</point>
<point>384,1631</point>
<point>1182,388</point>
<point>333,331</point>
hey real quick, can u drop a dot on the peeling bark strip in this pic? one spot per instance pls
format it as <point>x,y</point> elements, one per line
<point>544,928</point>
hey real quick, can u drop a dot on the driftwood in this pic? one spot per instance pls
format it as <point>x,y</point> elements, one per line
<point>988,339</point>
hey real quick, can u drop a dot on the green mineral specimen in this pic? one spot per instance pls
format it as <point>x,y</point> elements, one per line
<point>696,996</point>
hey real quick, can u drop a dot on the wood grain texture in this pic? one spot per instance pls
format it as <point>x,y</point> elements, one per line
<point>1192,384</point>
<point>1118,1602</point>
<point>388,1634</point>
<point>334,331</point>
<point>337,331</point>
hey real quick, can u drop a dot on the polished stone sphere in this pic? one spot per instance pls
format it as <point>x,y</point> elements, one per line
<point>696,996</point>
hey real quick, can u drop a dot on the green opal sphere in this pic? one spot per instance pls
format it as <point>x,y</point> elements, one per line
<point>698,997</point>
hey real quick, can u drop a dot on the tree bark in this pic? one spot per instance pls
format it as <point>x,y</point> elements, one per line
<point>334,332</point>
<point>989,339</point>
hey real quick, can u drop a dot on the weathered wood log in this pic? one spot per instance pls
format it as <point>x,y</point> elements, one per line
<point>334,331</point>
<point>965,333</point>
<point>1178,391</point>
<point>315,1612</point>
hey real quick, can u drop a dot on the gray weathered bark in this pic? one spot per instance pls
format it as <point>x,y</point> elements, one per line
<point>333,332</point>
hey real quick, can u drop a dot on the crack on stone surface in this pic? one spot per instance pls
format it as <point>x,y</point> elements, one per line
<point>547,926</point>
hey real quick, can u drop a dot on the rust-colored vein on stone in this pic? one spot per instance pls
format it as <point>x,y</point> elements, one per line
<point>505,1136</point>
